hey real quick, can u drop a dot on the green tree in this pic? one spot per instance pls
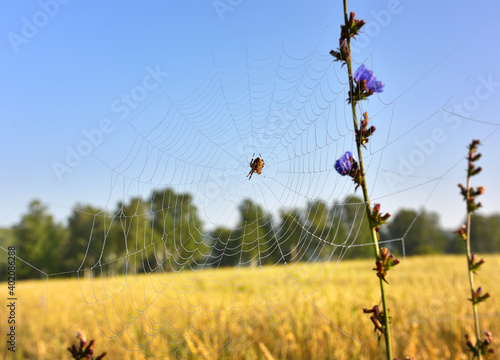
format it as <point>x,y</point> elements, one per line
<point>256,235</point>
<point>87,228</point>
<point>291,236</point>
<point>6,239</point>
<point>320,231</point>
<point>226,248</point>
<point>39,242</point>
<point>485,233</point>
<point>132,237</point>
<point>421,232</point>
<point>355,228</point>
<point>175,218</point>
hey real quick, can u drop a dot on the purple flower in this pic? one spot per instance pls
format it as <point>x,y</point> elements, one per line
<point>344,164</point>
<point>363,73</point>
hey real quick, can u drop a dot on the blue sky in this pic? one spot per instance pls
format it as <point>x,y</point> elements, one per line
<point>76,73</point>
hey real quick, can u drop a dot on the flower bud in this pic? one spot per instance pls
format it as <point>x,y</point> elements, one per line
<point>83,339</point>
<point>462,233</point>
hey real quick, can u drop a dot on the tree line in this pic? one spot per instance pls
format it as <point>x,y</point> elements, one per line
<point>165,233</point>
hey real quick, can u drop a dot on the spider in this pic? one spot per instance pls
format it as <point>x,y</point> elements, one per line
<point>256,166</point>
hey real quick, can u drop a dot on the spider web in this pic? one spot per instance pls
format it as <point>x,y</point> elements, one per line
<point>189,274</point>
<point>279,108</point>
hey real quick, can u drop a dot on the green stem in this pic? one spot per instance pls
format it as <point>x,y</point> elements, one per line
<point>374,233</point>
<point>469,257</point>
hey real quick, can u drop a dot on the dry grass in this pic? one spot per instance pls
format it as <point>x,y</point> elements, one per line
<point>294,312</point>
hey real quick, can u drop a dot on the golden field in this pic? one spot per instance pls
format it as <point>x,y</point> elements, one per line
<point>293,311</point>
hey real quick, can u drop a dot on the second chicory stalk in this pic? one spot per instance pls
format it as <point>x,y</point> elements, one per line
<point>469,194</point>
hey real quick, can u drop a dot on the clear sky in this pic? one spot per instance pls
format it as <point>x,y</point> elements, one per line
<point>130,95</point>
